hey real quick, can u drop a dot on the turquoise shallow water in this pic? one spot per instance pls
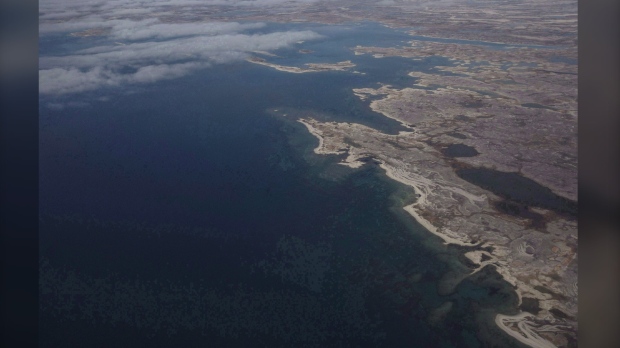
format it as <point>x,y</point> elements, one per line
<point>184,214</point>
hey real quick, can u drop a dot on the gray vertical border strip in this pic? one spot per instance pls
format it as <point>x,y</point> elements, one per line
<point>599,173</point>
<point>19,173</point>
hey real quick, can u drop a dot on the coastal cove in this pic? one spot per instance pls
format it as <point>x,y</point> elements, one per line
<point>200,202</point>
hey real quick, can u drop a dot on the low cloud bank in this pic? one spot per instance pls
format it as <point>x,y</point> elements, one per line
<point>148,50</point>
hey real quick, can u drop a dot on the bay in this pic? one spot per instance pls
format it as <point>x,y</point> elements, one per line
<point>185,212</point>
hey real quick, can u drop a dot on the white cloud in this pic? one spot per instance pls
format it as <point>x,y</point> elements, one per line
<point>123,29</point>
<point>87,22</point>
<point>152,73</point>
<point>71,80</point>
<point>203,48</point>
<point>150,49</point>
<point>148,29</point>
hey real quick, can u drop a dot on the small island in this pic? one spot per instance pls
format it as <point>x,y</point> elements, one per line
<point>312,67</point>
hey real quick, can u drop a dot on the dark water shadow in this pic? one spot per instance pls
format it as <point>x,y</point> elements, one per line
<point>517,188</point>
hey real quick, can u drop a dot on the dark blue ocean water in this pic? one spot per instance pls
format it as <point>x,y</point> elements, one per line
<point>183,213</point>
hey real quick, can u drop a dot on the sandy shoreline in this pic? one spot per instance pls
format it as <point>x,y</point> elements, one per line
<point>312,67</point>
<point>420,201</point>
<point>528,336</point>
<point>320,148</point>
<point>425,186</point>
